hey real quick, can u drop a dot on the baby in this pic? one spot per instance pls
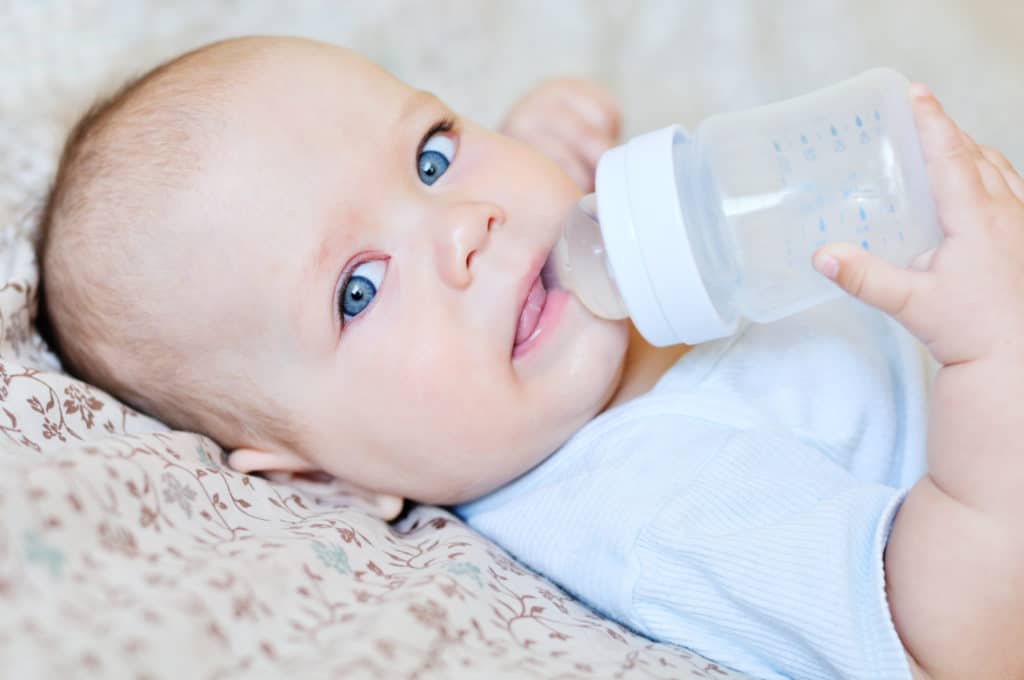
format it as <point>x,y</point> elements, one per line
<point>274,242</point>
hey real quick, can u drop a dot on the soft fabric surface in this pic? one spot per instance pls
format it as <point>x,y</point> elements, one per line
<point>128,550</point>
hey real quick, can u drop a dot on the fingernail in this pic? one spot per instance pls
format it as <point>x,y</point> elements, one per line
<point>827,265</point>
<point>920,90</point>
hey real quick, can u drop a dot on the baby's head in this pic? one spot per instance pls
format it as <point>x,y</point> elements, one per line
<point>276,243</point>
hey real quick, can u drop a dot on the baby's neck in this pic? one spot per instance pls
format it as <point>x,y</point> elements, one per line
<point>643,366</point>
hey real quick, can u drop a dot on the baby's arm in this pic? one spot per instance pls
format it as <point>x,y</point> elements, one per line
<point>955,558</point>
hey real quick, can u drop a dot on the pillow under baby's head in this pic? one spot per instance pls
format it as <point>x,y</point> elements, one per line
<point>279,244</point>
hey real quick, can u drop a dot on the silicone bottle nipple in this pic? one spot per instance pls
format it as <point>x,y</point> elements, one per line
<point>579,263</point>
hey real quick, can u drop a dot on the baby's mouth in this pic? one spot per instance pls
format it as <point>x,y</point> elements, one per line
<point>530,313</point>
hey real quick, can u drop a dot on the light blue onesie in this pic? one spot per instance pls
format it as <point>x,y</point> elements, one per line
<point>740,508</point>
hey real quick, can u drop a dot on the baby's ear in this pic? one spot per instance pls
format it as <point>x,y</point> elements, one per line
<point>288,468</point>
<point>255,460</point>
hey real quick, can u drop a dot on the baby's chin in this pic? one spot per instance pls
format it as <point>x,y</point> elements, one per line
<point>591,368</point>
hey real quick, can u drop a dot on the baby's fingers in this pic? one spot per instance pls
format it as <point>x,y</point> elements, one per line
<point>997,158</point>
<point>595,104</point>
<point>575,131</point>
<point>871,279</point>
<point>951,160</point>
<point>1013,179</point>
<point>568,158</point>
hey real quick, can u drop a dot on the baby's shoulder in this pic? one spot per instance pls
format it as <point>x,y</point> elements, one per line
<point>642,442</point>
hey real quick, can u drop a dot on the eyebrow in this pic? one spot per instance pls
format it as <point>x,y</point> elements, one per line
<point>419,100</point>
<point>326,251</point>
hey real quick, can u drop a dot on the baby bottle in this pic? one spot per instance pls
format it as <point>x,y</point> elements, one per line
<point>691,233</point>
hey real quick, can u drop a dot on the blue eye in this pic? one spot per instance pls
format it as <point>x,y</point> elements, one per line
<point>436,155</point>
<point>360,288</point>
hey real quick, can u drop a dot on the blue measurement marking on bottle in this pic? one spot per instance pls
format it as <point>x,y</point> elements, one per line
<point>821,224</point>
<point>864,245</point>
<point>858,121</point>
<point>877,115</point>
<point>776,145</point>
<point>864,138</point>
<point>838,144</point>
<point>846,188</point>
<point>892,208</point>
<point>860,211</point>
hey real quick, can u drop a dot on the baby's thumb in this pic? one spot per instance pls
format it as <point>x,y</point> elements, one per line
<point>866,276</point>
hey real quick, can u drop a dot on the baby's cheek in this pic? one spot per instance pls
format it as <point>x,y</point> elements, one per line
<point>513,162</point>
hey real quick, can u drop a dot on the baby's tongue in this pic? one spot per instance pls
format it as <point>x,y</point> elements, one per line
<point>531,311</point>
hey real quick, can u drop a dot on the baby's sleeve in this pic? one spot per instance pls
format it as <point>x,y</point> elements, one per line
<point>770,559</point>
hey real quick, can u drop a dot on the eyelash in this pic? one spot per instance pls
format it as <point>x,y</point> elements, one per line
<point>446,124</point>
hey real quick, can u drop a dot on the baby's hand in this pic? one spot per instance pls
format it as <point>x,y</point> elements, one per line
<point>954,561</point>
<point>964,299</point>
<point>571,121</point>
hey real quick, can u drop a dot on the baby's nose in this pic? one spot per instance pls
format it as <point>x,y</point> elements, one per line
<point>467,233</point>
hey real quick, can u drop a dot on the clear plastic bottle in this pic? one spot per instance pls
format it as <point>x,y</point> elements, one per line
<point>697,232</point>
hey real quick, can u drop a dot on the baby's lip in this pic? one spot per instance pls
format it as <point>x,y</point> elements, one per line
<point>529,317</point>
<point>530,298</point>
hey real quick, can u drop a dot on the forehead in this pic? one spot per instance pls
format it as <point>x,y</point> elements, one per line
<point>305,146</point>
<point>315,82</point>
<point>315,112</point>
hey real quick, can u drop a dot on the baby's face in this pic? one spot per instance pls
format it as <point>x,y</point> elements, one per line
<point>374,253</point>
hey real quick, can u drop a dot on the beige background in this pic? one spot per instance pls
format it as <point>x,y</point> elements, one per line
<point>669,60</point>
